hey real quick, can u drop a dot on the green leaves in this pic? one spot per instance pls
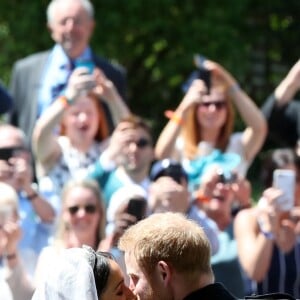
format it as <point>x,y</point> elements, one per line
<point>155,40</point>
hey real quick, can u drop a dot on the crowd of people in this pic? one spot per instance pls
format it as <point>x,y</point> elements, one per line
<point>92,207</point>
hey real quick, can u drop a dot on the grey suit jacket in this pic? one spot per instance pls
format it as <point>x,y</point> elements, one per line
<point>26,81</point>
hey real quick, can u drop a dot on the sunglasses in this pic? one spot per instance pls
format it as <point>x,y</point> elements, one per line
<point>7,153</point>
<point>141,143</point>
<point>217,104</point>
<point>89,209</point>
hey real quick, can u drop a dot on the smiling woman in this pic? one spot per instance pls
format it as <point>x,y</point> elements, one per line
<point>83,128</point>
<point>81,221</point>
<point>82,273</point>
<point>204,121</point>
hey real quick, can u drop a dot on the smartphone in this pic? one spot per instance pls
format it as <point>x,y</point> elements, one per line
<point>87,64</point>
<point>205,75</point>
<point>137,207</point>
<point>201,73</point>
<point>285,181</point>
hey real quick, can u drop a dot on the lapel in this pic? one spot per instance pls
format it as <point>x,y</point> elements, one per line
<point>36,77</point>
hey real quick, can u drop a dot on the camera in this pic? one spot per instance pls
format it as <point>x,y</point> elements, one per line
<point>137,207</point>
<point>227,177</point>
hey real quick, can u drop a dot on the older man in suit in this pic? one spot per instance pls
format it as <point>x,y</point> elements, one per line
<point>39,78</point>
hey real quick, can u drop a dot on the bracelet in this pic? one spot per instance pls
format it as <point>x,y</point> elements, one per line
<point>32,196</point>
<point>201,198</point>
<point>268,234</point>
<point>171,115</point>
<point>11,256</point>
<point>234,88</point>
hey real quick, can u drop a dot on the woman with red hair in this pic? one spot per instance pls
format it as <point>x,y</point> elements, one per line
<point>67,152</point>
<point>204,121</point>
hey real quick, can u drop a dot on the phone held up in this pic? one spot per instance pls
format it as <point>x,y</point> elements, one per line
<point>88,64</point>
<point>137,207</point>
<point>227,177</point>
<point>285,181</point>
<point>201,73</point>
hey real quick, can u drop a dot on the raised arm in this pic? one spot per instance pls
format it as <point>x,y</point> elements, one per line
<point>250,240</point>
<point>281,112</point>
<point>45,146</point>
<point>255,133</point>
<point>289,86</point>
<point>22,173</point>
<point>257,230</point>
<point>17,279</point>
<point>44,141</point>
<point>108,92</point>
<point>165,146</point>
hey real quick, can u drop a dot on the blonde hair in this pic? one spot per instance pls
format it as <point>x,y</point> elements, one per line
<point>91,185</point>
<point>191,131</point>
<point>170,237</point>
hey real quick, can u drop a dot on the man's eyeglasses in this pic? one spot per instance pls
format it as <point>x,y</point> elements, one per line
<point>89,209</point>
<point>141,143</point>
<point>217,104</point>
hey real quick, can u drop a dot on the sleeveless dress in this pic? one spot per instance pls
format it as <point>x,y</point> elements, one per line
<point>72,164</point>
<point>283,275</point>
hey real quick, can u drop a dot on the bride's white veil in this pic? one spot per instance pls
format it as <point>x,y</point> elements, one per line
<point>70,278</point>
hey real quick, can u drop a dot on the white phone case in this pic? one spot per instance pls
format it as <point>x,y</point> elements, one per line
<point>285,181</point>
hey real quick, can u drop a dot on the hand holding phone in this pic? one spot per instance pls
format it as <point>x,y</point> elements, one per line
<point>227,177</point>
<point>137,207</point>
<point>205,75</point>
<point>201,73</point>
<point>88,64</point>
<point>285,181</point>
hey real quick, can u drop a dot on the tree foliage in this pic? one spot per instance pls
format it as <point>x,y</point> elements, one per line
<point>155,41</point>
